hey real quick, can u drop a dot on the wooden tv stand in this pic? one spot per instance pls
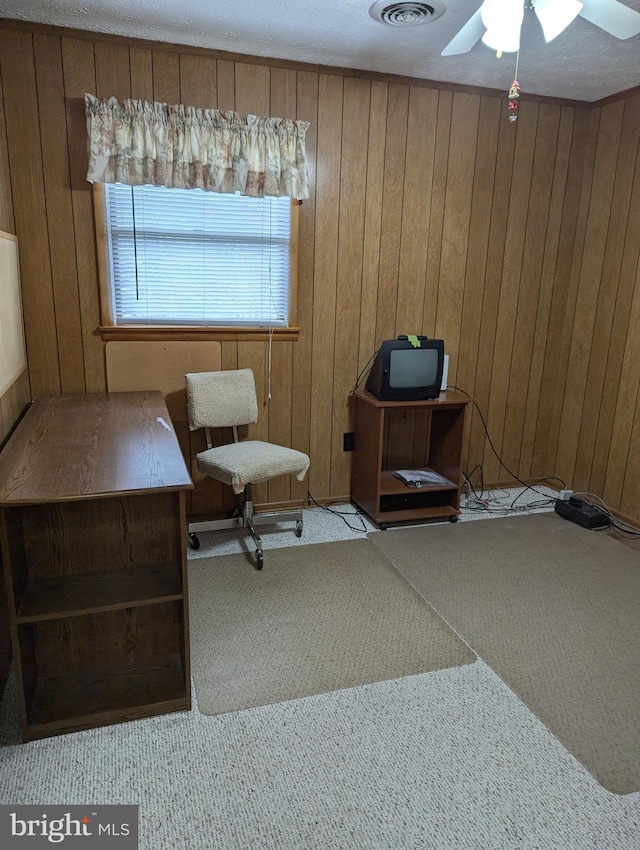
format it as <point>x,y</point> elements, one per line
<point>393,435</point>
<point>93,533</point>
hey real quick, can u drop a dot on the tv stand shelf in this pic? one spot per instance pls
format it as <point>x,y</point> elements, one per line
<point>421,435</point>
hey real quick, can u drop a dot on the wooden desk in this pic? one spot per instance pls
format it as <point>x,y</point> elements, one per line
<point>392,435</point>
<point>93,534</point>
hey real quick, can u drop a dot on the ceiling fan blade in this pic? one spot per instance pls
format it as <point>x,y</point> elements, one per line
<point>556,15</point>
<point>613,17</point>
<point>467,37</point>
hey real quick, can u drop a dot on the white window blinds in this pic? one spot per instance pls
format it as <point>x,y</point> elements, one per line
<point>189,257</point>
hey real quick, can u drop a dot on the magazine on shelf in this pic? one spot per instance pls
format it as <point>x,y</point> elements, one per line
<point>422,478</point>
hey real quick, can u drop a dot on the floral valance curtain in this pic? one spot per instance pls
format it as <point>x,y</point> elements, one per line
<point>140,143</point>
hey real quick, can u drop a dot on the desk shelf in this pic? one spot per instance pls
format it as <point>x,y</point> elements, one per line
<point>91,593</point>
<point>93,535</point>
<point>73,701</point>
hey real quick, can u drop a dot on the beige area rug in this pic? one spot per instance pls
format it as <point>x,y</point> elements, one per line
<point>554,609</point>
<point>317,618</point>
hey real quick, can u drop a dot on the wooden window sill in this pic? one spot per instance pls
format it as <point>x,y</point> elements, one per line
<point>193,333</point>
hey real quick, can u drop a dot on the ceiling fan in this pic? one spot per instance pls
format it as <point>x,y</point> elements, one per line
<point>498,22</point>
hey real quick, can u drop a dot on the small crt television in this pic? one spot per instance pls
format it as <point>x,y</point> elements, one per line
<point>407,369</point>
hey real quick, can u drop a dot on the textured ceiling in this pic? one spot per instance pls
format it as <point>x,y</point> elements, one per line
<point>583,63</point>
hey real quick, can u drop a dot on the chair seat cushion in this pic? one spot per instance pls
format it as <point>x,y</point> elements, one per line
<point>251,462</point>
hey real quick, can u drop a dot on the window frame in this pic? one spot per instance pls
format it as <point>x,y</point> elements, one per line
<point>109,330</point>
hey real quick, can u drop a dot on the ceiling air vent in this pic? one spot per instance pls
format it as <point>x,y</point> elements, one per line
<point>406,14</point>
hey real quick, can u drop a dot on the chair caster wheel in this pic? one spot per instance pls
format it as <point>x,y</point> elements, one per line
<point>194,541</point>
<point>259,559</point>
<point>383,526</point>
<point>453,519</point>
<point>299,528</point>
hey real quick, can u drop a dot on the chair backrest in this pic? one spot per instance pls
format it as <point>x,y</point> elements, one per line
<point>221,399</point>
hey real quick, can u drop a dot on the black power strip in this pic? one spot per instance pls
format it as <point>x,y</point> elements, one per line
<point>577,510</point>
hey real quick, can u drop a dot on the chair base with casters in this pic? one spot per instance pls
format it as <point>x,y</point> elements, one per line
<point>249,520</point>
<point>228,399</point>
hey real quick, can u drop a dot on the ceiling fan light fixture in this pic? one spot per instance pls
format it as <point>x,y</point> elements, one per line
<point>405,13</point>
<point>503,21</point>
<point>556,15</point>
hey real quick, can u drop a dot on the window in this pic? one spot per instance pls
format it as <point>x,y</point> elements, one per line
<point>189,258</point>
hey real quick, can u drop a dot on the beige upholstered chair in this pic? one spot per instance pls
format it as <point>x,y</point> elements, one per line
<point>228,399</point>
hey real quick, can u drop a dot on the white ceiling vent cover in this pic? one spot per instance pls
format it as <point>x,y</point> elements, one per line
<point>406,14</point>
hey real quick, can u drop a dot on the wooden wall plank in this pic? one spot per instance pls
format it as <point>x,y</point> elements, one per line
<point>79,77</point>
<point>306,110</point>
<point>329,137</point>
<point>25,162</point>
<point>12,403</point>
<point>57,182</point>
<point>141,65</point>
<point>592,259</point>
<point>279,372</point>
<point>436,213</point>
<point>491,297</point>
<point>7,222</point>
<point>565,284</point>
<point>283,83</point>
<point>614,297</point>
<point>253,355</point>
<point>405,430</point>
<point>421,141</point>
<point>166,77</point>
<point>622,326</point>
<point>627,381</point>
<point>253,89</point>
<point>455,229</point>
<point>534,242</point>
<point>198,81</point>
<point>372,225</point>
<point>623,471</point>
<point>253,94</point>
<point>623,425</point>
<point>113,72</point>
<point>510,284</point>
<point>350,254</point>
<point>538,411</point>
<point>226,79</point>
<point>283,93</point>
<point>478,245</point>
<point>392,199</point>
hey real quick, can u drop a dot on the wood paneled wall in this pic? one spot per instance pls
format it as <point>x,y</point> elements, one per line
<point>430,213</point>
<point>598,411</point>
<point>14,400</point>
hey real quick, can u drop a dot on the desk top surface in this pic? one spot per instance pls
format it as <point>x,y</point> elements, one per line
<point>74,447</point>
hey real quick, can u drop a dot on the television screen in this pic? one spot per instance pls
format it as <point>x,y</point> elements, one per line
<point>407,369</point>
<point>413,367</point>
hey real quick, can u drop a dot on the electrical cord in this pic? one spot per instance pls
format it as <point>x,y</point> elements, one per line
<point>546,499</point>
<point>362,371</point>
<point>482,504</point>
<point>595,501</point>
<point>341,514</point>
<point>492,505</point>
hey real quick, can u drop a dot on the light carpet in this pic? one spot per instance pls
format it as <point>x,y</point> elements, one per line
<point>554,610</point>
<point>316,619</point>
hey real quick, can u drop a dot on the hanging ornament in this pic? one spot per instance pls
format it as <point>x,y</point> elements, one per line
<point>514,94</point>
